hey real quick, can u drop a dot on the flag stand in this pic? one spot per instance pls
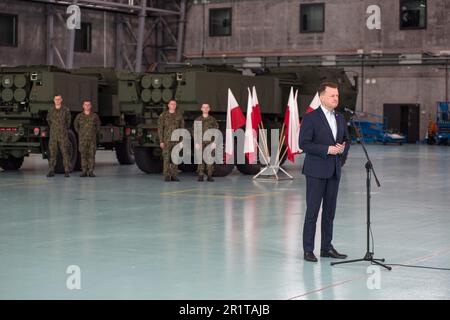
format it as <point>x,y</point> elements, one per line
<point>272,170</point>
<point>269,169</point>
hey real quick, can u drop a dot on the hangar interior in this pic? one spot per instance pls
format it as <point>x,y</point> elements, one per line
<point>130,235</point>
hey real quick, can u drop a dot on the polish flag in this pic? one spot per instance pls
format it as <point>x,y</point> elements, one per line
<point>235,120</point>
<point>292,123</point>
<point>315,103</point>
<point>256,114</point>
<point>250,131</point>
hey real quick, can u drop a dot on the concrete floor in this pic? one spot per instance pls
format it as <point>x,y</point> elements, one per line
<point>136,237</point>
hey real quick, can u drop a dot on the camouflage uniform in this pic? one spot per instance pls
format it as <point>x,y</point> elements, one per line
<point>59,123</point>
<point>167,123</point>
<point>207,123</point>
<point>87,127</point>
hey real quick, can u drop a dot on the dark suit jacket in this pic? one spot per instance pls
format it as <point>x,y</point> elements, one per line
<point>315,138</point>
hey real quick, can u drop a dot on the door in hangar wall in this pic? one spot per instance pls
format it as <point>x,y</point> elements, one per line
<point>404,118</point>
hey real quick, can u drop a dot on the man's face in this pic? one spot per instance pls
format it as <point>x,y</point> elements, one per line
<point>57,100</point>
<point>330,98</point>
<point>172,105</point>
<point>205,108</point>
<point>87,106</point>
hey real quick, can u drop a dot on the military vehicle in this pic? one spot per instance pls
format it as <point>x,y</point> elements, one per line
<point>194,85</point>
<point>26,93</point>
<point>129,105</point>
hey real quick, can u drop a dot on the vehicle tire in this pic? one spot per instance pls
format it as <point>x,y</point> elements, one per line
<point>125,151</point>
<point>73,154</point>
<point>11,163</point>
<point>146,162</point>
<point>187,167</point>
<point>222,170</point>
<point>249,169</point>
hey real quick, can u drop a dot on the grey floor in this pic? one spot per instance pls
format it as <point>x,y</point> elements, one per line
<point>136,237</point>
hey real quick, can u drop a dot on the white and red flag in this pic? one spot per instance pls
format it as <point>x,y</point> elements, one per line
<point>235,120</point>
<point>315,103</point>
<point>251,128</point>
<point>292,123</point>
<point>256,113</point>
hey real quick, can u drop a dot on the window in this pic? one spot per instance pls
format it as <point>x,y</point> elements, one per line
<point>312,17</point>
<point>220,22</point>
<point>83,38</point>
<point>8,30</point>
<point>413,14</point>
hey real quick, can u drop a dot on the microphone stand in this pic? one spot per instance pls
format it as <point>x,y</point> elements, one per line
<point>369,256</point>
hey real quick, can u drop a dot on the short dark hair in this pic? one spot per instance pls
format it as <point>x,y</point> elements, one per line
<point>326,84</point>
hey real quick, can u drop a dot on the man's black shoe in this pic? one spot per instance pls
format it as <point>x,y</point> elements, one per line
<point>83,174</point>
<point>309,256</point>
<point>175,179</point>
<point>200,178</point>
<point>210,179</point>
<point>332,253</point>
<point>50,174</point>
<point>67,174</point>
<point>167,178</point>
<point>91,174</point>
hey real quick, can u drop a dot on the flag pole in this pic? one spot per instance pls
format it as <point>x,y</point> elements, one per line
<point>263,138</point>
<point>280,141</point>
<point>262,153</point>
<point>284,153</point>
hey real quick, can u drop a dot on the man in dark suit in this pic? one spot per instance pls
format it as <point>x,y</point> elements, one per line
<point>325,140</point>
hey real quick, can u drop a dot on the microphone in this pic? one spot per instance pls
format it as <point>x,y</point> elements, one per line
<point>349,110</point>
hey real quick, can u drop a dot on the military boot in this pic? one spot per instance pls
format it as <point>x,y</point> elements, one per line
<point>174,178</point>
<point>50,174</point>
<point>200,178</point>
<point>67,174</point>
<point>167,178</point>
<point>210,179</point>
<point>91,174</point>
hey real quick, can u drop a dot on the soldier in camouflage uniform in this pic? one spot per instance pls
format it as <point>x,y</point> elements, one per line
<point>208,122</point>
<point>169,121</point>
<point>58,119</point>
<point>87,124</point>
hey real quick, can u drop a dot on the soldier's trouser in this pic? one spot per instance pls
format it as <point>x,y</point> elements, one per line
<point>209,167</point>
<point>61,142</point>
<point>169,169</point>
<point>201,169</point>
<point>87,153</point>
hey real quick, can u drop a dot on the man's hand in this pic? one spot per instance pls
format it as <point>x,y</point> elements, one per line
<point>333,150</point>
<point>341,147</point>
<point>161,145</point>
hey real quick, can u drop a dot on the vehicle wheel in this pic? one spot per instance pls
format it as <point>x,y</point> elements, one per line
<point>184,167</point>
<point>146,161</point>
<point>187,167</point>
<point>78,163</point>
<point>222,170</point>
<point>125,152</point>
<point>11,163</point>
<point>73,154</point>
<point>249,169</point>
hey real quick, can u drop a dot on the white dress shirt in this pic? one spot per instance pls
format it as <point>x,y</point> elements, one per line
<point>331,118</point>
